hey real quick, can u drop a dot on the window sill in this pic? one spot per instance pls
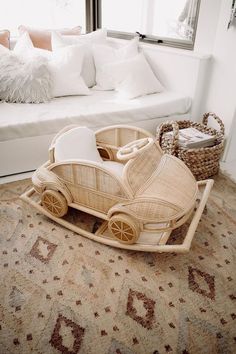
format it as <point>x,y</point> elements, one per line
<point>165,42</point>
<point>165,49</point>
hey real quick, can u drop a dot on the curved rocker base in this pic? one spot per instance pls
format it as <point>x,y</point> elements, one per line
<point>102,234</point>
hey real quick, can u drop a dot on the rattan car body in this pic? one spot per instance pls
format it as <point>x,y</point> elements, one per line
<point>120,175</point>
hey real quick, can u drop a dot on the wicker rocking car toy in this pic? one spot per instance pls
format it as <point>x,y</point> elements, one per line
<point>120,175</point>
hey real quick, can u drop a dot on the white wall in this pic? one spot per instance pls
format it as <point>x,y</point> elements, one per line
<point>230,151</point>
<point>220,96</point>
<point>207,24</point>
<point>180,70</point>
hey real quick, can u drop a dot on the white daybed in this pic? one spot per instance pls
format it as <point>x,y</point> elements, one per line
<point>100,109</point>
<point>26,130</point>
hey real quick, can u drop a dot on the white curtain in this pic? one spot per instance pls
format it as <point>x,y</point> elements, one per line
<point>187,19</point>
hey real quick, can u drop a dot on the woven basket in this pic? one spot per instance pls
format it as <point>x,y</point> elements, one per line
<point>203,162</point>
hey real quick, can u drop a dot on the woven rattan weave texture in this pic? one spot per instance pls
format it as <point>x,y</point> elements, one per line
<point>203,162</point>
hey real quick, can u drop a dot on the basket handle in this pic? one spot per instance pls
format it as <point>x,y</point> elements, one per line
<point>166,127</point>
<point>219,121</point>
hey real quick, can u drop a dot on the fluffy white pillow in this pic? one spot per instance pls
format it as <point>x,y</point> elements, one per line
<point>133,77</point>
<point>88,68</point>
<point>65,65</point>
<point>104,54</point>
<point>22,80</point>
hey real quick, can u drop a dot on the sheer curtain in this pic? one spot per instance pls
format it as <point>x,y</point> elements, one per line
<point>187,19</point>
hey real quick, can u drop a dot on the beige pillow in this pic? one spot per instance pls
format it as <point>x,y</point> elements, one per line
<point>5,38</point>
<point>42,38</point>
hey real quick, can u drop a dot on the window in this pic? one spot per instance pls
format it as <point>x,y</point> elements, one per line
<point>42,14</point>
<point>165,22</point>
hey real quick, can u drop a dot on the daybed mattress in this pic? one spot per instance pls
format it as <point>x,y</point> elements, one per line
<point>100,109</point>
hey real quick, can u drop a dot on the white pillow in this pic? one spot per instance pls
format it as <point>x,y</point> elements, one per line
<point>23,80</point>
<point>23,44</point>
<point>104,55</point>
<point>25,48</point>
<point>77,143</point>
<point>88,69</point>
<point>65,65</point>
<point>58,40</point>
<point>133,77</point>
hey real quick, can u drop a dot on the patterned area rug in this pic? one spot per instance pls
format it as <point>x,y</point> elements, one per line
<point>63,293</point>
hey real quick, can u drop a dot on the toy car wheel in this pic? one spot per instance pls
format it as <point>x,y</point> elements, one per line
<point>124,228</point>
<point>55,203</point>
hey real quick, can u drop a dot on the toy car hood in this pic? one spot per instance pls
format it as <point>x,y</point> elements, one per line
<point>164,196</point>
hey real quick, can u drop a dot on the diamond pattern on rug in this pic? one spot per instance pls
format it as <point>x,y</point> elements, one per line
<point>193,328</point>
<point>63,293</point>
<point>140,308</point>
<point>20,305</point>
<point>209,280</point>
<point>69,332</point>
<point>67,336</point>
<point>43,250</point>
<point>16,298</point>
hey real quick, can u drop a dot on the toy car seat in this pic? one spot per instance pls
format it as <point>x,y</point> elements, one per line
<point>80,144</point>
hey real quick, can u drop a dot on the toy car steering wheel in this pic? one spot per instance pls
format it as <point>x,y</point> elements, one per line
<point>130,150</point>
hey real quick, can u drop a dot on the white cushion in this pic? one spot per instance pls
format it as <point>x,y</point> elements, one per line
<point>65,65</point>
<point>100,109</point>
<point>23,80</point>
<point>96,37</point>
<point>24,47</point>
<point>116,167</point>
<point>104,55</point>
<point>78,143</point>
<point>58,40</point>
<point>133,77</point>
<point>23,44</point>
